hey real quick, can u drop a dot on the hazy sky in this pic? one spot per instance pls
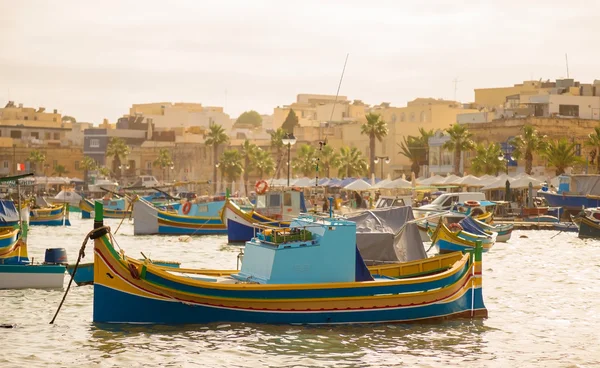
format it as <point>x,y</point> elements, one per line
<point>93,59</point>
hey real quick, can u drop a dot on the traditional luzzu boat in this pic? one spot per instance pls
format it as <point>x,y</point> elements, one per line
<point>453,238</point>
<point>588,223</point>
<point>201,216</point>
<point>85,271</point>
<point>17,271</point>
<point>274,286</point>
<point>112,207</point>
<point>270,210</point>
<point>57,215</point>
<point>504,231</point>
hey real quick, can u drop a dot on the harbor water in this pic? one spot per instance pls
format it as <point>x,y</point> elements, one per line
<point>542,294</point>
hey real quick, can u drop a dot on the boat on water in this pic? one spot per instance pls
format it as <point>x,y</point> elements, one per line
<point>200,216</point>
<point>453,238</point>
<point>112,207</point>
<point>85,271</point>
<point>589,228</point>
<point>17,271</point>
<point>66,196</point>
<point>288,277</point>
<point>575,192</point>
<point>55,215</point>
<point>273,209</point>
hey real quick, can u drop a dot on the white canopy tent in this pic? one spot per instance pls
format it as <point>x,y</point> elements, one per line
<point>469,181</point>
<point>358,184</point>
<point>436,179</point>
<point>398,184</point>
<point>451,179</point>
<point>381,184</point>
<point>523,183</point>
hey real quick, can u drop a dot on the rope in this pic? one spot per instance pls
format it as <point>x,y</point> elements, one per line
<point>81,255</point>
<point>130,210</point>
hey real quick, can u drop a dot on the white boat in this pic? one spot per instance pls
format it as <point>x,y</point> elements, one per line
<point>101,184</point>
<point>65,196</point>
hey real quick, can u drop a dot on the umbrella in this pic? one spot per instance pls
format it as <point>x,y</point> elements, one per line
<point>524,181</point>
<point>398,183</point>
<point>358,184</point>
<point>507,190</point>
<point>381,183</point>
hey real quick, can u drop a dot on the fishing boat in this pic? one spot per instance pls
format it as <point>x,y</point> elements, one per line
<point>17,271</point>
<point>201,216</point>
<point>56,215</point>
<point>575,192</point>
<point>453,238</point>
<point>85,271</point>
<point>113,207</point>
<point>66,196</point>
<point>589,228</point>
<point>287,277</point>
<point>274,209</point>
<point>504,231</point>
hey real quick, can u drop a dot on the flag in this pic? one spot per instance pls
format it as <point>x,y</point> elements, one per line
<point>20,167</point>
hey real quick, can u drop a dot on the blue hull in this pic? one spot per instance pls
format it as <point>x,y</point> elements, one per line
<point>447,247</point>
<point>50,223</point>
<point>84,275</point>
<point>134,309</point>
<point>572,202</point>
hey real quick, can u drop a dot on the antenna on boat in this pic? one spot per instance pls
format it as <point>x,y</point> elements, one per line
<point>337,93</point>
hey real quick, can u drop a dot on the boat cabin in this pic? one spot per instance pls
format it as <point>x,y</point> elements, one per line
<point>303,253</point>
<point>393,201</point>
<point>281,205</point>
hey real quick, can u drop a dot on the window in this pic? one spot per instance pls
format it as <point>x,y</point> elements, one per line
<point>148,165</point>
<point>35,135</point>
<point>76,165</point>
<point>412,116</point>
<point>94,143</point>
<point>26,118</point>
<point>54,163</point>
<point>203,208</point>
<point>287,199</point>
<point>422,117</point>
<point>274,200</point>
<point>54,120</point>
<point>402,117</point>
<point>57,136</point>
<point>48,135</point>
<point>394,118</point>
<point>15,134</point>
<point>5,164</point>
<point>568,110</point>
<point>578,149</point>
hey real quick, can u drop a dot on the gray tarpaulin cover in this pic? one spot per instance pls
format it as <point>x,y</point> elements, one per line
<point>585,184</point>
<point>381,237</point>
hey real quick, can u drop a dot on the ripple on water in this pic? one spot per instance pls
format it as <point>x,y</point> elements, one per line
<point>543,298</point>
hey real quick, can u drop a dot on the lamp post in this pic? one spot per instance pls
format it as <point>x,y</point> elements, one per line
<point>505,156</point>
<point>289,140</point>
<point>382,159</point>
<point>217,185</point>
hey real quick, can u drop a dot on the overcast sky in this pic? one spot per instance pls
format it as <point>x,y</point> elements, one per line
<point>93,59</point>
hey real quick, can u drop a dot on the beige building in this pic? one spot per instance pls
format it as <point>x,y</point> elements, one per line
<point>181,114</point>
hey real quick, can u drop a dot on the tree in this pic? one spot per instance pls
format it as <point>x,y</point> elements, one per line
<point>460,140</point>
<point>328,159</point>
<point>291,121</point>
<point>36,157</point>
<point>526,144</point>
<point>374,128</point>
<point>277,144</point>
<point>415,149</point>
<point>117,149</point>
<point>215,137</point>
<point>163,161</point>
<point>230,164</point>
<point>487,160</point>
<point>88,164</point>
<point>69,119</point>
<point>561,154</point>
<point>263,162</point>
<point>249,119</point>
<point>352,163</point>
<point>248,154</point>
<point>104,171</point>
<point>305,160</point>
<point>594,141</point>
<point>60,170</point>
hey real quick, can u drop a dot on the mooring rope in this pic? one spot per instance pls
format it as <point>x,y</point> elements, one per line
<point>81,255</point>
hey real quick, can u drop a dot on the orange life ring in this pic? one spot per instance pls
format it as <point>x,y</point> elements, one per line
<point>471,203</point>
<point>261,187</point>
<point>187,206</point>
<point>455,227</point>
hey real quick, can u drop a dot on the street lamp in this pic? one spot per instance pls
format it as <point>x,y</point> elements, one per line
<point>289,140</point>
<point>505,156</point>
<point>382,158</point>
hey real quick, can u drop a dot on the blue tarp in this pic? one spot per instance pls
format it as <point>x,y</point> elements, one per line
<point>8,212</point>
<point>361,272</point>
<point>470,226</point>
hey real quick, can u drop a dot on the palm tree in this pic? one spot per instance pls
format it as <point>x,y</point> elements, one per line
<point>163,161</point>
<point>230,164</point>
<point>277,144</point>
<point>263,161</point>
<point>305,160</point>
<point>36,157</point>
<point>117,149</point>
<point>375,128</point>
<point>561,154</point>
<point>60,170</point>
<point>526,144</point>
<point>460,140</point>
<point>352,163</point>
<point>104,171</point>
<point>328,159</point>
<point>215,137</point>
<point>594,141</point>
<point>248,154</point>
<point>415,149</point>
<point>487,160</point>
<point>88,164</point>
